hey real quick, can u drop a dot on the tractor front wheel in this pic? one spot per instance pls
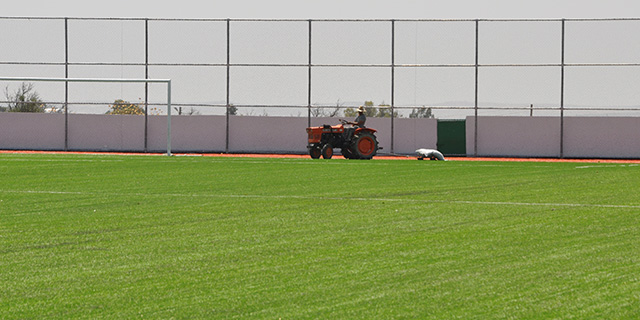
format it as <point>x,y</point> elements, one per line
<point>327,151</point>
<point>315,152</point>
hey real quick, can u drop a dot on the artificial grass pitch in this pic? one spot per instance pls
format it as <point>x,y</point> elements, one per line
<point>108,236</point>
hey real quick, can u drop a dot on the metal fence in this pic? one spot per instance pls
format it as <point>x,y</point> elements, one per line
<point>307,68</point>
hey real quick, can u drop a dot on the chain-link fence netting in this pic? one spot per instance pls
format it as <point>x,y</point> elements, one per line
<point>309,68</point>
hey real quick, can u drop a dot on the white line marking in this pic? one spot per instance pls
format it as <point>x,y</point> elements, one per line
<point>256,196</point>
<point>607,166</point>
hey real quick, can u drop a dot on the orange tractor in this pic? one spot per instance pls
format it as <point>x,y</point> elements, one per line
<point>353,142</point>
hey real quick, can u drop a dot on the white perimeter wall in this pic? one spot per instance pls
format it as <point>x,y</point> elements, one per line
<point>584,137</point>
<point>33,131</point>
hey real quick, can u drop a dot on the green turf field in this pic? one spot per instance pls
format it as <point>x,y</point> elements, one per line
<point>89,236</point>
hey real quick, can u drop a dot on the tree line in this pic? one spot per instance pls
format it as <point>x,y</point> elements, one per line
<point>27,99</point>
<point>370,110</point>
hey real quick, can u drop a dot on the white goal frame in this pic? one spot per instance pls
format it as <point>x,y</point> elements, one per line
<point>66,80</point>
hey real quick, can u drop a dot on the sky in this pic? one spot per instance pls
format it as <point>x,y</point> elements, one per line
<point>327,9</point>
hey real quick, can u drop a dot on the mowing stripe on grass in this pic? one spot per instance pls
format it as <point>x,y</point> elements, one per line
<point>255,196</point>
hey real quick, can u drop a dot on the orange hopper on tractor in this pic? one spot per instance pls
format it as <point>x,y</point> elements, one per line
<point>353,142</point>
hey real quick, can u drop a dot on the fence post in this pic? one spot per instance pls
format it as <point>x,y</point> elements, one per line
<point>475,108</point>
<point>168,118</point>
<point>226,148</point>
<point>562,93</point>
<point>66,84</point>
<point>393,43</point>
<point>146,84</point>
<point>309,81</point>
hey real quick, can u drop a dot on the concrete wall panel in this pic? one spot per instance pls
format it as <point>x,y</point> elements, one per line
<point>613,137</point>
<point>515,136</point>
<point>31,131</point>
<point>102,132</point>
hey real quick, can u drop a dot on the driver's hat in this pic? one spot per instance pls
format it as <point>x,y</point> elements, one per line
<point>361,109</point>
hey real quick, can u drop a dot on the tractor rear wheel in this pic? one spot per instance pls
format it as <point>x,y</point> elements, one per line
<point>327,151</point>
<point>315,153</point>
<point>365,145</point>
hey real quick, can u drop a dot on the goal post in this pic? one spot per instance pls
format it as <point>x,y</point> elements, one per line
<point>114,80</point>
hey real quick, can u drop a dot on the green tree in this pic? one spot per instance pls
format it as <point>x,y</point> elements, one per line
<point>369,110</point>
<point>422,112</point>
<point>125,107</point>
<point>350,112</point>
<point>24,99</point>
<point>382,111</point>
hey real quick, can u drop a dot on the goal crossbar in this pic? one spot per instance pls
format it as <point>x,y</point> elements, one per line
<point>116,80</point>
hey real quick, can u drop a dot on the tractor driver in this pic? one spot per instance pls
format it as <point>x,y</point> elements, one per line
<point>358,123</point>
<point>360,119</point>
